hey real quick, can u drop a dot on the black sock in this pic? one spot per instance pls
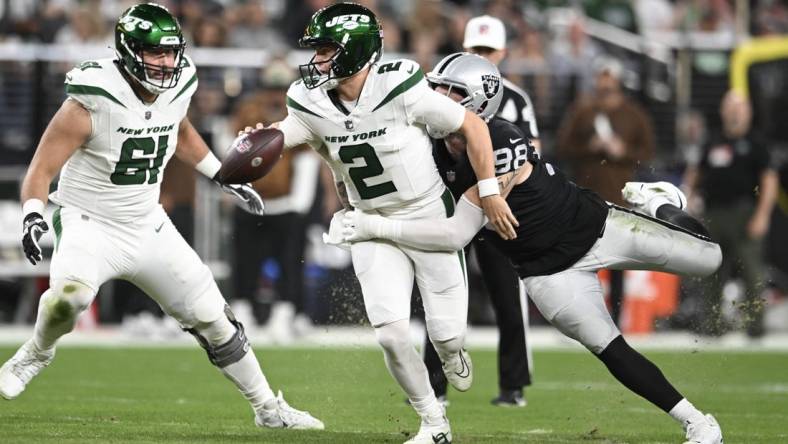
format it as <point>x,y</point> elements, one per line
<point>676,216</point>
<point>639,374</point>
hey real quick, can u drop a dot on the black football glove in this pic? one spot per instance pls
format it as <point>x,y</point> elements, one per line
<point>33,228</point>
<point>252,202</point>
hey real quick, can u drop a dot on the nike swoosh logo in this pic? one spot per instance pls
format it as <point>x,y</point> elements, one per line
<point>440,438</point>
<point>466,371</point>
<point>515,140</point>
<point>159,228</point>
<point>410,71</point>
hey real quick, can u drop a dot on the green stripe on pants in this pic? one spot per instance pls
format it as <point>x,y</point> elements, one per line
<point>448,204</point>
<point>58,226</point>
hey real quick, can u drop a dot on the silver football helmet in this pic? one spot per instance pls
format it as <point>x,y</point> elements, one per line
<point>474,77</point>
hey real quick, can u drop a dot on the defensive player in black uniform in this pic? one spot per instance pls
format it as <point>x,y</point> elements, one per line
<point>462,73</point>
<point>564,235</point>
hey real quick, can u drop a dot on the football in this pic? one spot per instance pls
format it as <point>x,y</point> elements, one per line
<point>252,155</point>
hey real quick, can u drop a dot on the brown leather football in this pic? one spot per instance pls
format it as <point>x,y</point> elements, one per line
<point>252,155</point>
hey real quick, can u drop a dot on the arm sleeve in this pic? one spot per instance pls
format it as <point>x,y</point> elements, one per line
<point>428,107</point>
<point>450,234</point>
<point>296,131</point>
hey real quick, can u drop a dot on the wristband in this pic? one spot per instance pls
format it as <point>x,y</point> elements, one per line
<point>488,187</point>
<point>32,206</point>
<point>209,165</point>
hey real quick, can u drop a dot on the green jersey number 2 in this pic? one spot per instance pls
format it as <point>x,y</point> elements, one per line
<point>132,170</point>
<point>372,168</point>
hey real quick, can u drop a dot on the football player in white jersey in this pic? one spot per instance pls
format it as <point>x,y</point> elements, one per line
<point>567,233</point>
<point>370,122</point>
<point>124,118</point>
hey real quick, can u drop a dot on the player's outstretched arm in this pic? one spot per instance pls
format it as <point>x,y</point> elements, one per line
<point>67,131</point>
<point>480,154</point>
<point>449,234</point>
<point>193,150</point>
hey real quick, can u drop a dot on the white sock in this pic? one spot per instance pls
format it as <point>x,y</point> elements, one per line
<point>407,368</point>
<point>428,407</point>
<point>685,412</point>
<point>247,375</point>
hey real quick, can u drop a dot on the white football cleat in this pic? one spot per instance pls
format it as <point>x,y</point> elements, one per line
<point>17,372</point>
<point>647,197</point>
<point>433,432</point>
<point>282,416</point>
<point>459,371</point>
<point>704,432</point>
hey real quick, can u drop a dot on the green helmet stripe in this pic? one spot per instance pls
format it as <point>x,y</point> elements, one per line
<point>402,87</point>
<point>295,105</point>
<point>88,90</point>
<point>185,87</point>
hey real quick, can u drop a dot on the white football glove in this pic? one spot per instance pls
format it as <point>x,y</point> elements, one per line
<point>251,202</point>
<point>334,236</point>
<point>358,226</point>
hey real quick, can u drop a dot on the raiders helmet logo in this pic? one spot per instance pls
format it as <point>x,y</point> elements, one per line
<point>491,83</point>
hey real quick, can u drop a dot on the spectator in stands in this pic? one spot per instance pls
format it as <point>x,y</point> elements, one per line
<point>739,188</point>
<point>602,140</point>
<point>618,13</point>
<point>250,27</point>
<point>705,15</point>
<point>34,20</point>
<point>572,56</point>
<point>527,65</point>
<point>427,30</point>
<point>654,16</point>
<point>84,27</point>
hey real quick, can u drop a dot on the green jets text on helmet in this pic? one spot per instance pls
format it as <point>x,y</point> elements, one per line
<point>149,27</point>
<point>353,30</point>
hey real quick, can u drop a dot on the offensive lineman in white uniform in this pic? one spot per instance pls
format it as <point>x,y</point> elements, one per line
<point>123,120</point>
<point>369,121</point>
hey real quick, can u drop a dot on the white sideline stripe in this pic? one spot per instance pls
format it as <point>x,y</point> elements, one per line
<point>541,338</point>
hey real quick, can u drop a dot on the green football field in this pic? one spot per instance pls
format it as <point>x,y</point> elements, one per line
<point>175,395</point>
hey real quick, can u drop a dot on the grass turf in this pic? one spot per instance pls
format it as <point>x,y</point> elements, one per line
<point>174,395</point>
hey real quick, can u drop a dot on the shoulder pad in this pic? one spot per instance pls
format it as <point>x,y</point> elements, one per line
<point>93,81</point>
<point>396,77</point>
<point>394,72</point>
<point>303,100</point>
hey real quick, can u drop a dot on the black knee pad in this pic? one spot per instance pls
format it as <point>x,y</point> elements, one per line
<point>231,351</point>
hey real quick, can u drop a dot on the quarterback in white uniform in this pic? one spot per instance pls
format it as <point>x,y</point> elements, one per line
<point>369,121</point>
<point>123,120</point>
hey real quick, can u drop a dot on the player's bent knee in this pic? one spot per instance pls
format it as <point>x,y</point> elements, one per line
<point>594,332</point>
<point>69,298</point>
<point>213,338</point>
<point>712,259</point>
<point>394,336</point>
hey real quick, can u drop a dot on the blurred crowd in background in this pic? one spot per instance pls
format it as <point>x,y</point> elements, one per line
<point>578,60</point>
